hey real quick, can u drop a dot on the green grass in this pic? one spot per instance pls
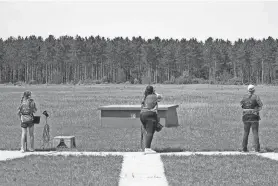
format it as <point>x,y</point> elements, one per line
<point>60,170</point>
<point>220,170</point>
<point>209,116</point>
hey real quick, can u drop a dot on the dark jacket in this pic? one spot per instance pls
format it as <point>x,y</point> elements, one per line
<point>251,105</point>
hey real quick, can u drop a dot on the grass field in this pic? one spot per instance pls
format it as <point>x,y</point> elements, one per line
<point>61,170</point>
<point>220,170</point>
<point>209,116</point>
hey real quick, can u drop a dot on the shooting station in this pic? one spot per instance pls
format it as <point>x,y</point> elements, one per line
<point>128,116</point>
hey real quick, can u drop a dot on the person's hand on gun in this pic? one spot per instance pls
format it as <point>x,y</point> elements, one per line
<point>159,96</point>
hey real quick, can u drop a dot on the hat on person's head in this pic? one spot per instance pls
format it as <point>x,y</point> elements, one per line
<point>251,88</point>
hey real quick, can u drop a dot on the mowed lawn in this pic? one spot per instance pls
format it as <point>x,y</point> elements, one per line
<point>61,170</point>
<point>202,170</point>
<point>209,116</point>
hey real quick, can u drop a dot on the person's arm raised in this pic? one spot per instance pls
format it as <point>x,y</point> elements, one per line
<point>159,97</point>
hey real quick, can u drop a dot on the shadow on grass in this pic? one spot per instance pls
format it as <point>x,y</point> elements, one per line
<point>59,149</point>
<point>45,149</point>
<point>263,150</point>
<point>268,149</point>
<point>179,149</point>
<point>169,149</point>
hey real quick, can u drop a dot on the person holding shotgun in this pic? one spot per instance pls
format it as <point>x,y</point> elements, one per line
<point>251,105</point>
<point>149,117</point>
<point>26,112</point>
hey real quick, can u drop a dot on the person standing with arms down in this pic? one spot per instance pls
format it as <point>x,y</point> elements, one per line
<point>26,112</point>
<point>148,115</point>
<point>251,105</point>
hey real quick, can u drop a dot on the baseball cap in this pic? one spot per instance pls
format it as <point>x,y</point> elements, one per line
<point>251,88</point>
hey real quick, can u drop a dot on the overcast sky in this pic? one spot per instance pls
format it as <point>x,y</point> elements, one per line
<point>182,19</point>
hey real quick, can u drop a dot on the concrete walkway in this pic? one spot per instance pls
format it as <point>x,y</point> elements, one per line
<point>137,168</point>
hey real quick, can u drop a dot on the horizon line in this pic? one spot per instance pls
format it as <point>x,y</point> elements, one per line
<point>131,37</point>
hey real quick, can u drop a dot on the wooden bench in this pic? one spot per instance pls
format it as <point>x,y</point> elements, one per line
<point>128,116</point>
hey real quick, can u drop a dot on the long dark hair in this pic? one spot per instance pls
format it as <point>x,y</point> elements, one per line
<point>149,90</point>
<point>26,95</point>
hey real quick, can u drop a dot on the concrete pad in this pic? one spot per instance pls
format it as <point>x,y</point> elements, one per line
<point>270,155</point>
<point>139,169</point>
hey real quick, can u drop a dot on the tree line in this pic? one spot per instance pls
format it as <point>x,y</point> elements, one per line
<point>70,59</point>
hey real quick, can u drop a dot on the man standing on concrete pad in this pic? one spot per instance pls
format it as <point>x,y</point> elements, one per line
<point>251,105</point>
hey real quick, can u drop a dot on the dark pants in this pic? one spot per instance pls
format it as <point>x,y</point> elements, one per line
<point>255,130</point>
<point>148,120</point>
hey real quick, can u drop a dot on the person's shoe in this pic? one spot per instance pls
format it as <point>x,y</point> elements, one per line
<point>149,151</point>
<point>244,150</point>
<point>31,150</point>
<point>22,150</point>
<point>253,150</point>
<point>263,150</point>
<point>259,151</point>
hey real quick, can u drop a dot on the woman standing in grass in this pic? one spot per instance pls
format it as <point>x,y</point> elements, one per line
<point>148,115</point>
<point>26,112</point>
<point>251,105</point>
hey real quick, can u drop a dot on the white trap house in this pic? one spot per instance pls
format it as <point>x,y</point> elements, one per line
<point>128,116</point>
